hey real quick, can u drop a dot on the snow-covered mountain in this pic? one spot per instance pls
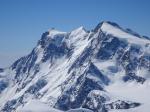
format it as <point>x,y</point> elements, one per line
<point>106,69</point>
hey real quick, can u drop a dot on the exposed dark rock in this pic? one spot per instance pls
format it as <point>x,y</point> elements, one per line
<point>122,105</point>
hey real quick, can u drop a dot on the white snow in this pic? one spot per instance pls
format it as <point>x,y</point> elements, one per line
<point>36,106</point>
<point>109,29</point>
<point>110,69</point>
<point>79,110</point>
<point>56,73</point>
<point>131,91</point>
<point>143,73</point>
<point>53,32</point>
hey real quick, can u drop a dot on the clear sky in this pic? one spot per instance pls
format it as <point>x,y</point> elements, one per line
<point>23,21</point>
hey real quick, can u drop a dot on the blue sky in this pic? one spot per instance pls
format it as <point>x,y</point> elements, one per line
<point>23,21</point>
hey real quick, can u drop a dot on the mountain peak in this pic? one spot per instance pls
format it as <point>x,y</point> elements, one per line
<point>111,23</point>
<point>79,29</point>
<point>111,28</point>
<point>53,32</point>
<point>79,69</point>
<point>106,23</point>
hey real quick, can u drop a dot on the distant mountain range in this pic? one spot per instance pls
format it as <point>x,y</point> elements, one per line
<point>106,69</point>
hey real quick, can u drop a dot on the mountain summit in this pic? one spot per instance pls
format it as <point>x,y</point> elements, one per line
<point>103,70</point>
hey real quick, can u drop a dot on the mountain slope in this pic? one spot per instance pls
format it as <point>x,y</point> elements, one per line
<point>81,69</point>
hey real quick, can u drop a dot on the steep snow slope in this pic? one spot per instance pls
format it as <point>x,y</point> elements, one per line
<point>80,69</point>
<point>117,32</point>
<point>36,106</point>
